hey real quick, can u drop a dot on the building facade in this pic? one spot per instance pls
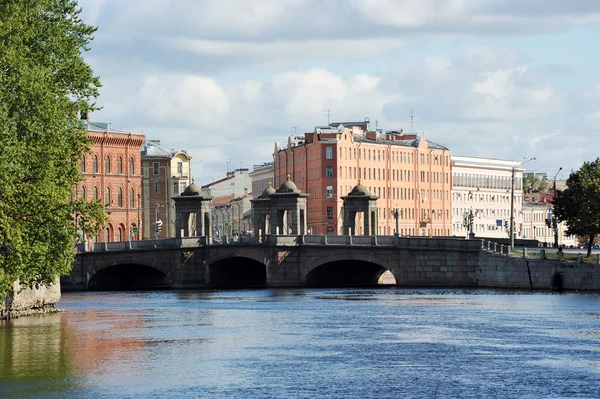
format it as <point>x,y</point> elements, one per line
<point>236,183</point>
<point>232,213</point>
<point>261,175</point>
<point>408,173</point>
<point>482,187</point>
<point>112,174</point>
<point>166,173</point>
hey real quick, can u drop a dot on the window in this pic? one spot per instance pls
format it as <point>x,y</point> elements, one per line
<point>328,153</point>
<point>179,169</point>
<point>329,212</point>
<point>107,197</point>
<point>175,188</point>
<point>131,198</point>
<point>329,172</point>
<point>120,165</point>
<point>96,193</point>
<point>155,168</point>
<point>120,198</point>
<point>95,164</point>
<point>182,186</point>
<point>107,164</point>
<point>83,163</point>
<point>131,166</point>
<point>156,188</point>
<point>329,192</point>
<point>83,192</point>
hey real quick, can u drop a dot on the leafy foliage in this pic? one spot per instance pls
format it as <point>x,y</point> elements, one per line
<point>579,204</point>
<point>43,81</point>
<point>532,183</point>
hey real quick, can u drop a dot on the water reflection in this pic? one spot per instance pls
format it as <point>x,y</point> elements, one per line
<point>310,343</point>
<point>36,346</point>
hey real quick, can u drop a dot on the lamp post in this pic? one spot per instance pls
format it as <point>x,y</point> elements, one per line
<point>395,213</point>
<point>139,231</point>
<point>511,230</point>
<point>554,221</point>
<point>155,221</point>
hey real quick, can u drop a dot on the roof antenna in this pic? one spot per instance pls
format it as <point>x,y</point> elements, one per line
<point>411,120</point>
<point>328,115</point>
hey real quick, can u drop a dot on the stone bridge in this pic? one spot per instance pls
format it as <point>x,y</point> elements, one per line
<point>316,261</point>
<point>280,261</point>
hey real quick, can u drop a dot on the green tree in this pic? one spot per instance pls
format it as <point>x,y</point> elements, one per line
<point>579,204</point>
<point>43,81</point>
<point>532,183</point>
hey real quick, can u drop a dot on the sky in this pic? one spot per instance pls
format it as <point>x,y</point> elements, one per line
<point>227,79</point>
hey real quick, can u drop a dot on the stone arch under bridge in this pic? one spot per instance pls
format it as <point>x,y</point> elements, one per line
<point>346,268</point>
<point>128,275</point>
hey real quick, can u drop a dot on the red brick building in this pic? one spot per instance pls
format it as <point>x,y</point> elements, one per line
<point>112,174</point>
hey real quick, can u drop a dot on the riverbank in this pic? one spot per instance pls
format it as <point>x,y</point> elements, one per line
<point>24,301</point>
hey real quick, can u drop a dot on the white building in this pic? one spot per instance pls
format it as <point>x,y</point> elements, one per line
<point>237,183</point>
<point>482,187</point>
<point>261,176</point>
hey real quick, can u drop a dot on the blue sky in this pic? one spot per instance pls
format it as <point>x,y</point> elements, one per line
<point>226,79</point>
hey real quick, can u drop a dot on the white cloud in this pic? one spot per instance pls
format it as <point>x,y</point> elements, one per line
<point>227,78</point>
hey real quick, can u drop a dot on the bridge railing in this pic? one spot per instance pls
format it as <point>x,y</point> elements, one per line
<point>283,240</point>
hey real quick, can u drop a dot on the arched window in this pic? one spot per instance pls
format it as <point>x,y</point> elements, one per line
<point>83,192</point>
<point>107,197</point>
<point>107,235</point>
<point>96,193</point>
<point>119,234</point>
<point>132,198</point>
<point>95,166</point>
<point>83,164</point>
<point>120,197</point>
<point>120,165</point>
<point>107,165</point>
<point>131,166</point>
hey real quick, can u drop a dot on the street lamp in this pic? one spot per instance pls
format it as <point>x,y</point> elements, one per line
<point>554,221</point>
<point>512,201</point>
<point>139,226</point>
<point>396,214</point>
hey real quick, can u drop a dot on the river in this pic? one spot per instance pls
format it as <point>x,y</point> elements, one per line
<point>307,343</point>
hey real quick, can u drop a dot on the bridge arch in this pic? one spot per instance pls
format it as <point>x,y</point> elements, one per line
<point>128,276</point>
<point>235,271</point>
<point>346,269</point>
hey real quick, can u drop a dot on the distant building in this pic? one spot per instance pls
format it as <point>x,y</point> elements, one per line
<point>237,182</point>
<point>111,171</point>
<point>232,211</point>
<point>482,186</point>
<point>408,173</point>
<point>166,173</point>
<point>261,176</point>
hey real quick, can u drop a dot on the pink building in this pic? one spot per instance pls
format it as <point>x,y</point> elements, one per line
<point>408,173</point>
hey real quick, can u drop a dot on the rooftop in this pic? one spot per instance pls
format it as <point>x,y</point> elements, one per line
<point>153,149</point>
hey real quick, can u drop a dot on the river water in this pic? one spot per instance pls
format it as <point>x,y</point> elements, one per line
<point>307,343</point>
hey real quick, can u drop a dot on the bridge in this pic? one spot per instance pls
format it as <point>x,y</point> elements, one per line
<point>280,261</point>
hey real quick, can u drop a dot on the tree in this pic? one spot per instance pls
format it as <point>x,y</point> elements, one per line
<point>43,81</point>
<point>532,183</point>
<point>579,204</point>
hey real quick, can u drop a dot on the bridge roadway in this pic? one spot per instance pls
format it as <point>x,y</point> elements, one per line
<point>280,261</point>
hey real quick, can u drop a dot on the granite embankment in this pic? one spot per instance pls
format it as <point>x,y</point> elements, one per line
<point>24,301</point>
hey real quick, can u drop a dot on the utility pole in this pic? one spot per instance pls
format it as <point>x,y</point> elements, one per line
<point>554,220</point>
